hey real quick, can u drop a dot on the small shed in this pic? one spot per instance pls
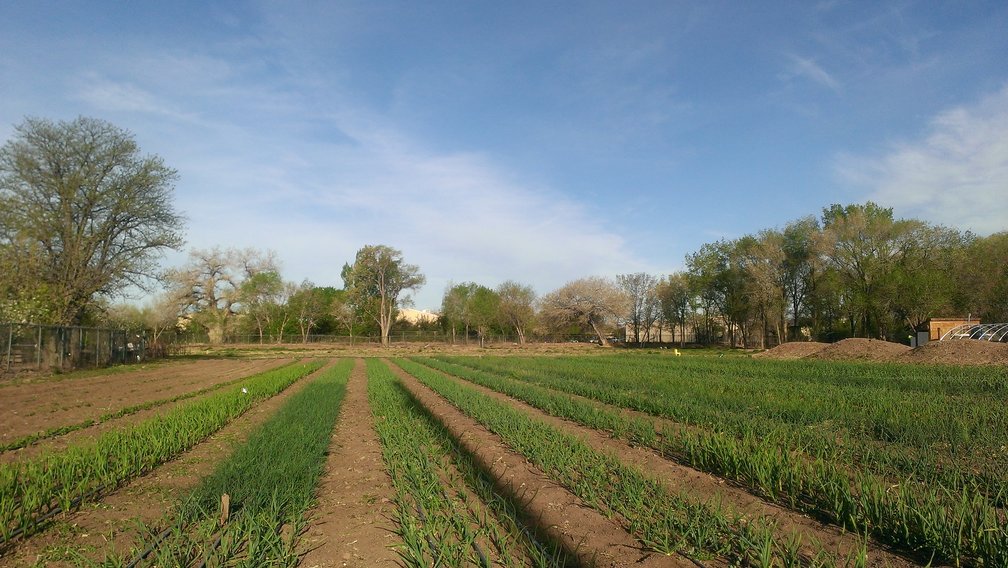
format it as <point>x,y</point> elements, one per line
<point>937,327</point>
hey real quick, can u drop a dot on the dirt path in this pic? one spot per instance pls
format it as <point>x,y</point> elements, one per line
<point>352,525</point>
<point>109,526</point>
<point>34,407</point>
<point>585,533</point>
<point>706,487</point>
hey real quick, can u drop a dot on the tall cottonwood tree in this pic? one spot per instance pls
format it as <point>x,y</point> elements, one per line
<point>377,279</point>
<point>93,212</point>
<point>516,309</point>
<point>260,295</point>
<point>674,296</point>
<point>866,245</point>
<point>456,307</point>
<point>639,288</point>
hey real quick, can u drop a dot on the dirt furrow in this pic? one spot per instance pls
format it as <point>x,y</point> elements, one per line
<point>708,488</point>
<point>32,408</point>
<point>351,523</point>
<point>585,533</point>
<point>109,526</point>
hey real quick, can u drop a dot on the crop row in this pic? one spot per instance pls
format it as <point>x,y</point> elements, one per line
<point>33,491</point>
<point>660,519</point>
<point>942,424</point>
<point>269,503</point>
<point>447,511</point>
<point>896,421</point>
<point>930,521</point>
<point>30,439</point>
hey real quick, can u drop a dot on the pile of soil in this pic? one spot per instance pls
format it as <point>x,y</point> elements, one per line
<point>959,352</point>
<point>793,350</point>
<point>861,349</point>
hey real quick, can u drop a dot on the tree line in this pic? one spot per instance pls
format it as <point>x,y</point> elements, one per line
<point>83,215</point>
<point>855,271</point>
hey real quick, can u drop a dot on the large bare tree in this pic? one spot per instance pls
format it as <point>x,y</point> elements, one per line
<point>375,281</point>
<point>96,212</point>
<point>593,301</point>
<point>209,287</point>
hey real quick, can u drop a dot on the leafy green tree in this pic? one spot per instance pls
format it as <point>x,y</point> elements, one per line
<point>309,306</point>
<point>375,281</point>
<point>800,268</point>
<point>982,279</point>
<point>259,295</point>
<point>484,307</point>
<point>674,295</point>
<point>516,310</point>
<point>867,244</point>
<point>925,278</point>
<point>91,212</point>
<point>639,288</point>
<point>455,308</point>
<point>704,268</point>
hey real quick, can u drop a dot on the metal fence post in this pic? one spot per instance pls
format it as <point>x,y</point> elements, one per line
<point>10,340</point>
<point>38,349</point>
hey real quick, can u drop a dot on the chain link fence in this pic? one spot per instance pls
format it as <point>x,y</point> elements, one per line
<point>408,336</point>
<point>31,347</point>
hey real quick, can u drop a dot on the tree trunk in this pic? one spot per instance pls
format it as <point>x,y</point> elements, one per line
<point>602,339</point>
<point>521,335</point>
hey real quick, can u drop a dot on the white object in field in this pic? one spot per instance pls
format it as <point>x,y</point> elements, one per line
<point>677,353</point>
<point>244,390</point>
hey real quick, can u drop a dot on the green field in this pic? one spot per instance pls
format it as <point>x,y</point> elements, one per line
<point>803,463</point>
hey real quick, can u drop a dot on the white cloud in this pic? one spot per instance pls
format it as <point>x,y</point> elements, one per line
<point>316,199</point>
<point>957,174</point>
<point>809,69</point>
<point>115,96</point>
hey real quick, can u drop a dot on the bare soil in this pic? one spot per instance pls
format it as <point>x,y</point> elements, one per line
<point>405,349</point>
<point>351,523</point>
<point>959,352</point>
<point>708,488</point>
<point>949,352</point>
<point>857,348</point>
<point>109,527</point>
<point>585,533</point>
<point>29,408</point>
<point>792,350</point>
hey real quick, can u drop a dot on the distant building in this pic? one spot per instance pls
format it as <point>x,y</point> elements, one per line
<point>417,317</point>
<point>938,327</point>
<point>658,334</point>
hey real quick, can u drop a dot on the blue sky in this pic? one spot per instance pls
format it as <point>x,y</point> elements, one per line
<point>533,141</point>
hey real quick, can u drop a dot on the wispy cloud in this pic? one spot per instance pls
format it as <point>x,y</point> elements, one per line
<point>353,178</point>
<point>956,174</point>
<point>808,68</point>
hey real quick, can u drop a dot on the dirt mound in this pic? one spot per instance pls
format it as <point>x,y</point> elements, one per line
<point>793,350</point>
<point>863,349</point>
<point>959,352</point>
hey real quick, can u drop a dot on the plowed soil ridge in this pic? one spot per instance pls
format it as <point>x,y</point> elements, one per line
<point>35,407</point>
<point>959,352</point>
<point>792,350</point>
<point>351,524</point>
<point>706,487</point>
<point>948,352</point>
<point>859,348</point>
<point>582,531</point>
<point>109,527</point>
